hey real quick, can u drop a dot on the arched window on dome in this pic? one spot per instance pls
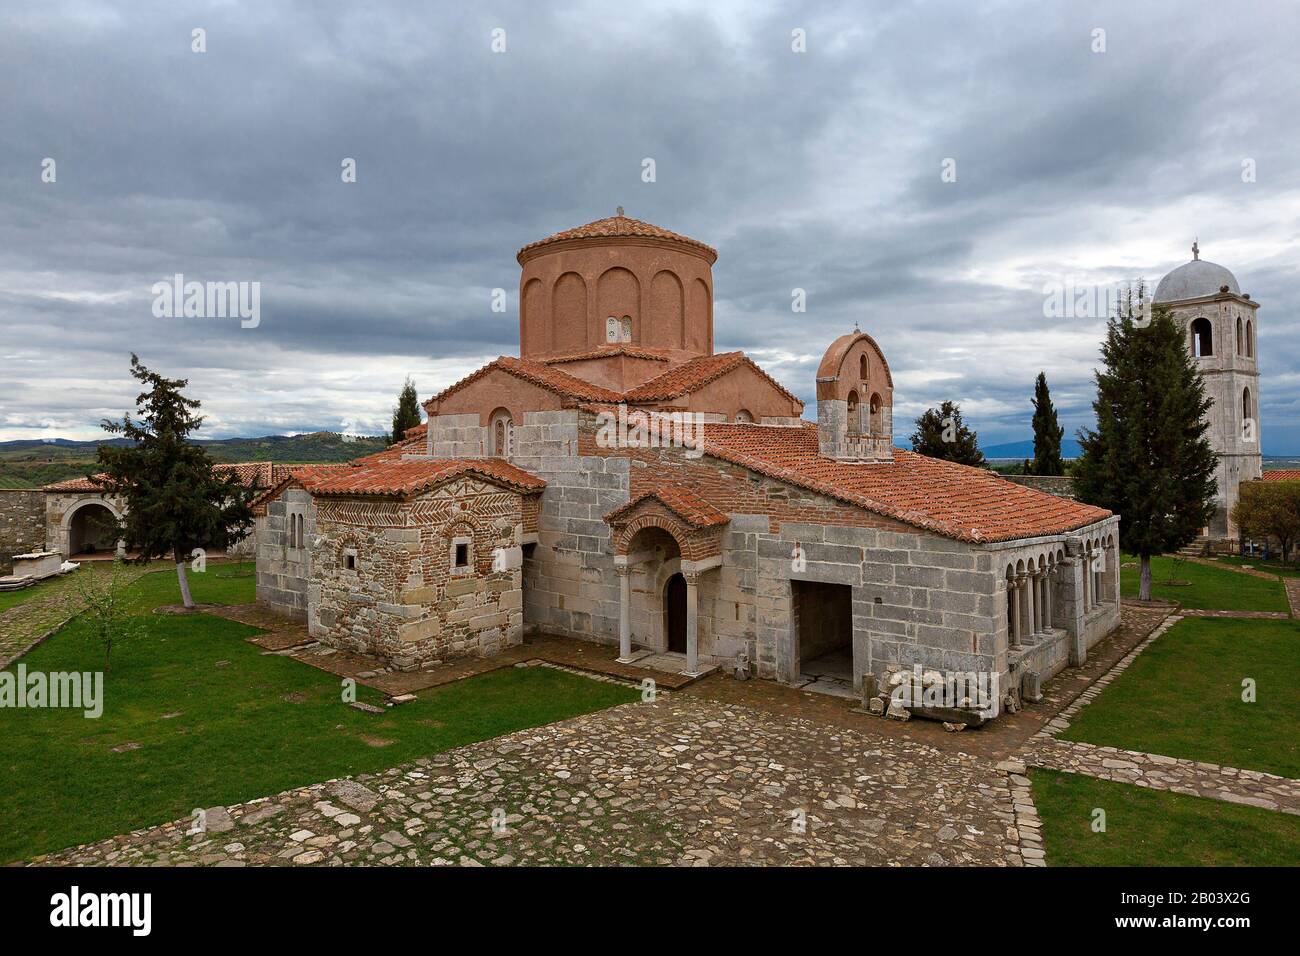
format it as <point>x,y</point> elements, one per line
<point>1241,347</point>
<point>862,368</point>
<point>501,434</point>
<point>625,327</point>
<point>877,408</point>
<point>611,329</point>
<point>855,425</point>
<point>1202,338</point>
<point>1250,340</point>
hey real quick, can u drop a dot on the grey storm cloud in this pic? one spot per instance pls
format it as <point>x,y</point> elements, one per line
<point>817,171</point>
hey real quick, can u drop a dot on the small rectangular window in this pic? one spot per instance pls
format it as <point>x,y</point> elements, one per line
<point>350,562</point>
<point>462,555</point>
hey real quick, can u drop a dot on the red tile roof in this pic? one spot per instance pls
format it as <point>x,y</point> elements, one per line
<point>540,374</point>
<point>250,474</point>
<point>616,227</point>
<point>403,477</point>
<point>1282,474</point>
<point>683,502</point>
<point>956,501</point>
<point>605,351</point>
<point>694,375</point>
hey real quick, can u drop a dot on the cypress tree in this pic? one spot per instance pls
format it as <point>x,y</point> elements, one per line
<point>174,501</point>
<point>941,433</point>
<point>406,414</point>
<point>1148,458</point>
<point>1047,433</point>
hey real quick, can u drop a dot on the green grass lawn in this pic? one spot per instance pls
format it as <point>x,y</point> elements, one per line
<point>217,722</point>
<point>1259,564</point>
<point>1181,697</point>
<point>1146,827</point>
<point>1210,589</point>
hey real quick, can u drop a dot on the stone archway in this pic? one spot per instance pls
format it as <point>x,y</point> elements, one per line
<point>87,528</point>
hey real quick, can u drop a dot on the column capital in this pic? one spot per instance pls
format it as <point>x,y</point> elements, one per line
<point>622,570</point>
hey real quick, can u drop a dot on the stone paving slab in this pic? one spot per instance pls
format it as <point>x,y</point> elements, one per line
<point>1191,777</point>
<point>678,781</point>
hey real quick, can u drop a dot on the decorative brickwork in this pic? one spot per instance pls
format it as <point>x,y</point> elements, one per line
<point>432,578</point>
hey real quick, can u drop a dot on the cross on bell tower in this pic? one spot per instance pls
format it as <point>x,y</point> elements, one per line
<point>1196,250</point>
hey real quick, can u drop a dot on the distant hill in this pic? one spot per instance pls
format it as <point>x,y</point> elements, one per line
<point>1021,450</point>
<point>31,464</point>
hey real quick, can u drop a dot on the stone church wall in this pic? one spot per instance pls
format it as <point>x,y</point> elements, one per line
<point>22,524</point>
<point>282,567</point>
<point>570,586</point>
<point>383,579</point>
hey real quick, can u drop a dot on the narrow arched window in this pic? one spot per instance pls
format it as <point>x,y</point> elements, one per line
<point>1250,340</point>
<point>862,368</point>
<point>877,415</point>
<point>1241,347</point>
<point>501,434</point>
<point>1246,406</point>
<point>1202,338</point>
<point>611,329</point>
<point>626,327</point>
<point>854,424</point>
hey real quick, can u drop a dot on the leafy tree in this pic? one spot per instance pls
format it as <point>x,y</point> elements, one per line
<point>1148,459</point>
<point>941,433</point>
<point>174,501</point>
<point>107,615</point>
<point>1047,433</point>
<point>1269,509</point>
<point>406,414</point>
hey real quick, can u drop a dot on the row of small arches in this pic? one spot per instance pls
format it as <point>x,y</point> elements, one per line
<point>1202,333</point>
<point>875,421</point>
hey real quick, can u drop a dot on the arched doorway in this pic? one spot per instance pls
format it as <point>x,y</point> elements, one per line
<point>675,613</point>
<point>91,530</point>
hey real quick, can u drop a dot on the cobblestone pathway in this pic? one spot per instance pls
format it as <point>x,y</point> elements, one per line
<point>682,781</point>
<point>1169,773</point>
<point>27,624</point>
<point>1293,594</point>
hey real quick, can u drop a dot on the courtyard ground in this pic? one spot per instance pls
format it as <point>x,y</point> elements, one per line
<point>1148,827</point>
<point>719,771</point>
<point>1183,697</point>
<point>195,715</point>
<point>1208,586</point>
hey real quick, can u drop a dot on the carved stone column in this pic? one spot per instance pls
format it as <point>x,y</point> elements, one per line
<point>624,613</point>
<point>692,623</point>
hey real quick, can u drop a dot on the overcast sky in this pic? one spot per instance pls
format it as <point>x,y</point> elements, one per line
<point>818,170</point>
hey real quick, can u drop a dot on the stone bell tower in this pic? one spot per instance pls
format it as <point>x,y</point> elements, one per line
<point>1219,325</point>
<point>855,401</point>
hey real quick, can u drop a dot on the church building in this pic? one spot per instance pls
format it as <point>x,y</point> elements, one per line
<point>620,481</point>
<point>1219,322</point>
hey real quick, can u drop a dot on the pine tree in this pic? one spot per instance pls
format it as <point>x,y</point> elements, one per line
<point>940,433</point>
<point>1148,459</point>
<point>406,414</point>
<point>174,501</point>
<point>1047,433</point>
